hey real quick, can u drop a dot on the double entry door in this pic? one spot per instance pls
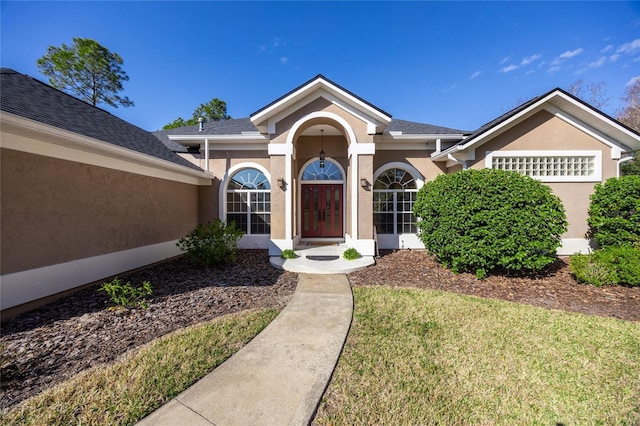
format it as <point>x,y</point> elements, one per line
<point>322,211</point>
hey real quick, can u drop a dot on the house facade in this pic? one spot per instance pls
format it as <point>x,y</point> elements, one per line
<point>322,164</point>
<point>86,195</point>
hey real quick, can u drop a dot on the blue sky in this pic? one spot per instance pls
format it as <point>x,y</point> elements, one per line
<point>453,64</point>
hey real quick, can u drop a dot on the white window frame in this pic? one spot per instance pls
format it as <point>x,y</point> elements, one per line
<point>597,163</point>
<point>224,190</point>
<point>419,180</point>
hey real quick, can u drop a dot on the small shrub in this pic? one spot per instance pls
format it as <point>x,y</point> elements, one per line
<point>125,295</point>
<point>608,266</point>
<point>289,254</point>
<point>614,212</point>
<point>212,243</point>
<point>482,220</point>
<point>351,254</point>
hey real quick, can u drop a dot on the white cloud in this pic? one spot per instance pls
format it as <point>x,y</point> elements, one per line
<point>630,47</point>
<point>553,69</point>
<point>614,57</point>
<point>284,60</point>
<point>600,62</point>
<point>475,75</point>
<point>529,59</point>
<point>509,69</point>
<point>277,42</point>
<point>505,59</point>
<point>607,48</point>
<point>571,53</point>
<point>633,81</point>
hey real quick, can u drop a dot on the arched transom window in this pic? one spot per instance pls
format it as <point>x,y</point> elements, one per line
<point>330,171</point>
<point>394,193</point>
<point>249,201</point>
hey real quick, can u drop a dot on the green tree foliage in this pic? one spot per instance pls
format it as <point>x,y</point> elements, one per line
<point>482,220</point>
<point>214,110</point>
<point>87,70</point>
<point>614,213</point>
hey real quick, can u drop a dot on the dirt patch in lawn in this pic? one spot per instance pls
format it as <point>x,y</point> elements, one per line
<point>553,288</point>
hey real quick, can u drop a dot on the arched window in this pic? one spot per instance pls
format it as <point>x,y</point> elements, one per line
<point>249,201</point>
<point>330,171</point>
<point>394,193</point>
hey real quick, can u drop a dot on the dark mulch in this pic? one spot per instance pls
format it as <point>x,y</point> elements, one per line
<point>49,345</point>
<point>553,288</point>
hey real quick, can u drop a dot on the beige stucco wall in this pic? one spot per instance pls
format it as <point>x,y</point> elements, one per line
<point>420,160</point>
<point>283,127</point>
<point>56,211</point>
<point>543,131</point>
<point>365,198</point>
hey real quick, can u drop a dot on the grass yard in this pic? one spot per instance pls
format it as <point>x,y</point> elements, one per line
<point>429,357</point>
<point>126,391</point>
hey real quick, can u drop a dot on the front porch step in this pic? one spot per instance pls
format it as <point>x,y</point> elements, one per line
<point>305,263</point>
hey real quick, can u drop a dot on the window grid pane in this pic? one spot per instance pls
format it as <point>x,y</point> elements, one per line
<point>249,202</point>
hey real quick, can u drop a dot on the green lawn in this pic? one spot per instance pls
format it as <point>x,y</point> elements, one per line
<point>124,392</point>
<point>429,357</point>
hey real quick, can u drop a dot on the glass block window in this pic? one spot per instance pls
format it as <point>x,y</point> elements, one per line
<point>394,193</point>
<point>548,167</point>
<point>249,201</point>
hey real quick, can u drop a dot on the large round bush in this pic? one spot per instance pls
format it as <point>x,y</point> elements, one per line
<point>481,220</point>
<point>614,213</point>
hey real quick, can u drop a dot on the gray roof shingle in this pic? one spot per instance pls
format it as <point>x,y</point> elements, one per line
<point>30,98</point>
<point>413,128</point>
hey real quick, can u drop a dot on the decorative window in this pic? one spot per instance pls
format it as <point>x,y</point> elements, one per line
<point>330,171</point>
<point>394,193</point>
<point>550,166</point>
<point>249,201</point>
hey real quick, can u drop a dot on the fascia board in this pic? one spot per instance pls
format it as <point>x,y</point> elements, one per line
<point>616,147</point>
<point>629,136</point>
<point>422,137</point>
<point>284,104</point>
<point>497,129</point>
<point>72,140</point>
<point>340,103</point>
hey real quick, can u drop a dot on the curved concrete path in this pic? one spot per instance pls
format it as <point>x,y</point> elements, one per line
<point>280,376</point>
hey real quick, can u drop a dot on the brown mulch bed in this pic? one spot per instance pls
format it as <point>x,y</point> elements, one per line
<point>554,288</point>
<point>49,345</point>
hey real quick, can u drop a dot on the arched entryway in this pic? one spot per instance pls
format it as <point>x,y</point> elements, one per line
<point>322,200</point>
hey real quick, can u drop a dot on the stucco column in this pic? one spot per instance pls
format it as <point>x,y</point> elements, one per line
<point>365,197</point>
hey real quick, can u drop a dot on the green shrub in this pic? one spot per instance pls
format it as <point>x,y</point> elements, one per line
<point>482,220</point>
<point>289,254</point>
<point>211,244</point>
<point>126,295</point>
<point>614,213</point>
<point>608,266</point>
<point>351,254</point>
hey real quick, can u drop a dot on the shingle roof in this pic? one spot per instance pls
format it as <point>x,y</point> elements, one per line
<point>413,128</point>
<point>225,127</point>
<point>519,108</point>
<point>30,98</point>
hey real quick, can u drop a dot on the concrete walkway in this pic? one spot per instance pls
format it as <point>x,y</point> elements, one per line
<point>280,376</point>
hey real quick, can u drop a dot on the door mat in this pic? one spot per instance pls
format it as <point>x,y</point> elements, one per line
<point>323,258</point>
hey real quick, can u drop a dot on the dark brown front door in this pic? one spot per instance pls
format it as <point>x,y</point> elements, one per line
<point>322,211</point>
